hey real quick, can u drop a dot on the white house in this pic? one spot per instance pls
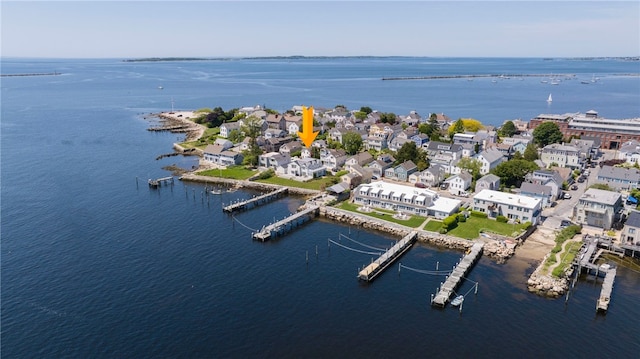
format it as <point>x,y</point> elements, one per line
<point>562,155</point>
<point>306,168</point>
<point>226,128</point>
<point>490,159</point>
<point>459,183</point>
<point>513,206</point>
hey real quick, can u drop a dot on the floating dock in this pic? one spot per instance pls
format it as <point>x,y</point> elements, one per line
<point>285,225</point>
<point>458,273</point>
<point>256,201</point>
<point>155,183</point>
<point>371,271</point>
<point>607,288</point>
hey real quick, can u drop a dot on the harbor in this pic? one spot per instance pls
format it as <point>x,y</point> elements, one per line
<point>376,267</point>
<point>286,225</point>
<point>592,249</point>
<point>256,201</point>
<point>457,275</point>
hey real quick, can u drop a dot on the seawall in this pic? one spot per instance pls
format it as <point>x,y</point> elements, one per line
<point>246,184</point>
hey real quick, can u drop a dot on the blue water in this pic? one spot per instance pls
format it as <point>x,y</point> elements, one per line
<point>94,265</point>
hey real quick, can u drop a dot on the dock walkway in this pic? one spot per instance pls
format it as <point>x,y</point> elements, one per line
<point>155,183</point>
<point>371,271</point>
<point>285,225</point>
<point>605,292</point>
<point>256,201</point>
<point>458,273</point>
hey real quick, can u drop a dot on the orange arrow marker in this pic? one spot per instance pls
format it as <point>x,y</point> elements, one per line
<point>307,135</point>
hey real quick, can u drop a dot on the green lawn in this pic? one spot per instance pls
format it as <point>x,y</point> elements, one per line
<point>208,137</point>
<point>387,215</point>
<point>472,227</point>
<point>316,184</point>
<point>433,226</point>
<point>236,172</point>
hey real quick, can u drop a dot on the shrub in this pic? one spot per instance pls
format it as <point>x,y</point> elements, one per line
<point>478,214</point>
<point>461,218</point>
<point>450,222</point>
<point>502,219</point>
<point>526,225</point>
<point>443,230</point>
<point>267,174</point>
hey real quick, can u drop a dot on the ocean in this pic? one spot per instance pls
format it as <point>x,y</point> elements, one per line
<point>95,264</point>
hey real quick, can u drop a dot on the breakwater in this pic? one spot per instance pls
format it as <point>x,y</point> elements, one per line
<point>497,76</point>
<point>246,184</point>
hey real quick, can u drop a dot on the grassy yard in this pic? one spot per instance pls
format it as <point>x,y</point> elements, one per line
<point>433,226</point>
<point>474,225</point>
<point>209,137</point>
<point>316,184</point>
<point>236,172</point>
<point>413,221</point>
<point>570,251</point>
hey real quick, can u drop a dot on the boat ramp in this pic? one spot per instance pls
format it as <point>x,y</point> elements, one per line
<point>287,224</point>
<point>256,201</point>
<point>458,273</point>
<point>371,271</point>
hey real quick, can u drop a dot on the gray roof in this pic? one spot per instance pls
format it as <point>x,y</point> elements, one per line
<point>601,196</point>
<point>466,176</point>
<point>491,155</point>
<point>532,188</point>
<point>408,165</point>
<point>633,220</point>
<point>619,173</point>
<point>632,146</point>
<point>489,178</point>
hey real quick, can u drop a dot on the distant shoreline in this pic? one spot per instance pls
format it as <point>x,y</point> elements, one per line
<point>32,74</point>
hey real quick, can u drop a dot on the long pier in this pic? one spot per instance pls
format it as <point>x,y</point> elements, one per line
<point>458,273</point>
<point>256,201</point>
<point>605,292</point>
<point>286,225</point>
<point>376,267</point>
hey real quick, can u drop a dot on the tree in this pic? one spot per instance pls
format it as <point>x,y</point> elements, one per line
<point>531,152</point>
<point>458,127</point>
<point>235,136</point>
<point>388,117</point>
<point>366,109</point>
<point>351,142</point>
<point>472,125</point>
<point>408,151</point>
<point>512,172</point>
<point>547,133</point>
<point>508,129</point>
<point>472,166</point>
<point>360,115</point>
<point>251,128</point>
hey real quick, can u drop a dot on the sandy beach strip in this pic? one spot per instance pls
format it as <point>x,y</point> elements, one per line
<point>186,118</point>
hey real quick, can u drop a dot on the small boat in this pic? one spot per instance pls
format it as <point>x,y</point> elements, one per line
<point>549,99</point>
<point>543,81</point>
<point>457,300</point>
<point>160,87</point>
<point>215,191</point>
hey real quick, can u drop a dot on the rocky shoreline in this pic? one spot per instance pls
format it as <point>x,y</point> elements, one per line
<point>547,285</point>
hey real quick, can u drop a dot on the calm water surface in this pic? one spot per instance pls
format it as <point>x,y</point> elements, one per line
<point>95,266</point>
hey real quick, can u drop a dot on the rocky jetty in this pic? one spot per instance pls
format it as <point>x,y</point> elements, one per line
<point>547,285</point>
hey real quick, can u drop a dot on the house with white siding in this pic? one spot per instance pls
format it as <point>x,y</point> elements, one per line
<point>512,206</point>
<point>458,184</point>
<point>562,155</point>
<point>598,208</point>
<point>490,159</point>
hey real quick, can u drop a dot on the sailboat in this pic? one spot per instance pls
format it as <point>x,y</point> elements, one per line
<point>549,99</point>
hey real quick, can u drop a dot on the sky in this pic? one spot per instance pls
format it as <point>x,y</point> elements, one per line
<point>135,29</point>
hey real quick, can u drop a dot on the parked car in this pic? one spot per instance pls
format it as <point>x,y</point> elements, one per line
<point>580,179</point>
<point>444,186</point>
<point>574,187</point>
<point>420,185</point>
<point>566,195</point>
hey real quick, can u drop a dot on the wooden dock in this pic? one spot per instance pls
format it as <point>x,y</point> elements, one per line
<point>155,183</point>
<point>605,292</point>
<point>285,225</point>
<point>458,273</point>
<point>376,267</point>
<point>256,201</point>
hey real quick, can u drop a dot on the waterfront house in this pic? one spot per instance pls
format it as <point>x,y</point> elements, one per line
<point>542,192</point>
<point>458,184</point>
<point>598,208</point>
<point>619,178</point>
<point>306,168</point>
<point>275,160</point>
<point>220,155</point>
<point>226,128</point>
<point>406,199</point>
<point>489,181</point>
<point>631,231</point>
<point>515,207</point>
<point>562,155</point>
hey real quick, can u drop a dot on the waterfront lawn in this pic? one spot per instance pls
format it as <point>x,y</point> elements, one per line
<point>474,225</point>
<point>315,184</point>
<point>386,215</point>
<point>208,137</point>
<point>235,172</point>
<point>570,251</point>
<point>433,226</point>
